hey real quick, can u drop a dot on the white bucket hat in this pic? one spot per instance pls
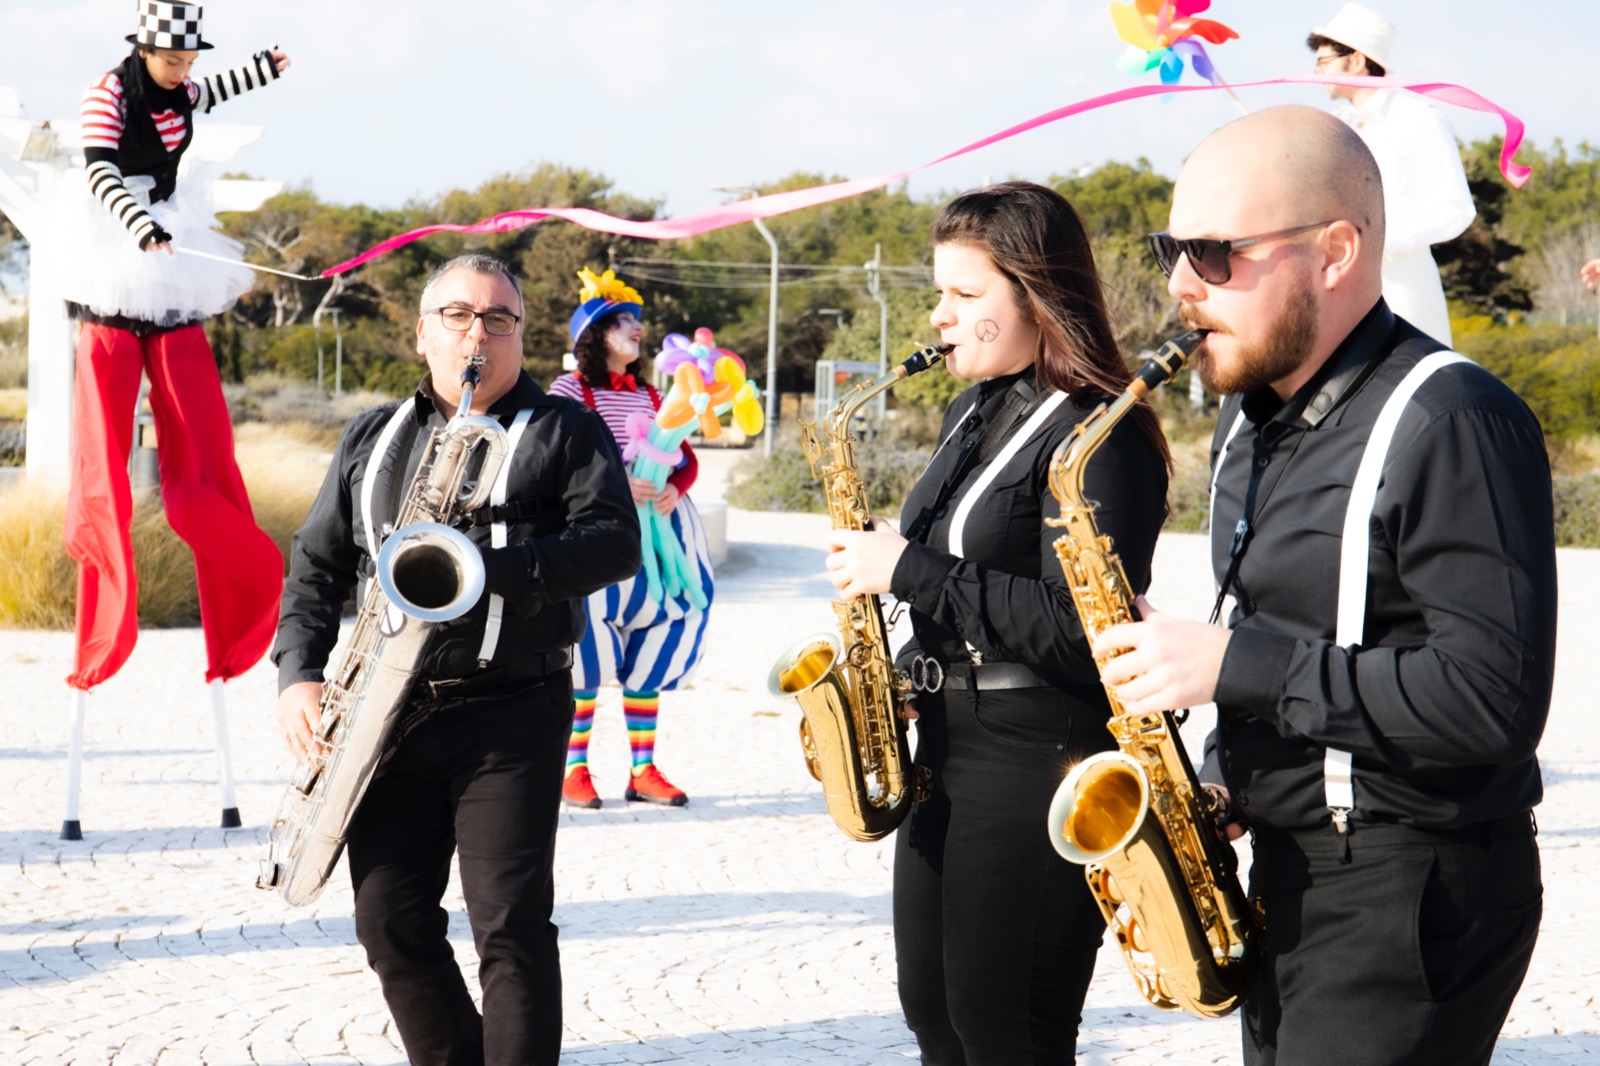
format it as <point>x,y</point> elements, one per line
<point>1360,28</point>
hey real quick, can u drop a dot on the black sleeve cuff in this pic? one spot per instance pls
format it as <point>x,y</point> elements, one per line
<point>1252,674</point>
<point>508,571</point>
<point>919,576</point>
<point>293,668</point>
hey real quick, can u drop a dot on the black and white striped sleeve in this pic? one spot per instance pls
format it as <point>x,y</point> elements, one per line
<point>102,122</point>
<point>105,181</point>
<point>216,88</point>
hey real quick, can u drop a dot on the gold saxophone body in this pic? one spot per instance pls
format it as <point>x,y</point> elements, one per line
<point>852,734</point>
<point>427,572</point>
<point>1137,819</point>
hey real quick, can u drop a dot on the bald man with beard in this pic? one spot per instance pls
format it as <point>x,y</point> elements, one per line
<point>1382,525</point>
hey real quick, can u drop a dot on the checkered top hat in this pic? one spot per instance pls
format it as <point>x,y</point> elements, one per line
<point>1363,29</point>
<point>168,25</point>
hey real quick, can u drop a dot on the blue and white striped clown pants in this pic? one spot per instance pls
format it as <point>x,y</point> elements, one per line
<point>644,645</point>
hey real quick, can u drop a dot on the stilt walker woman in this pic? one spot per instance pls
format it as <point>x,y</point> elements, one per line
<point>648,647</point>
<point>140,307</point>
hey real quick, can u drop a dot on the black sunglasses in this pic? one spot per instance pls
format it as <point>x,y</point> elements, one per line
<point>1209,256</point>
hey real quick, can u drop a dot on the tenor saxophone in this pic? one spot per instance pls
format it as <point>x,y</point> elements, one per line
<point>1137,818</point>
<point>427,572</point>
<point>851,732</point>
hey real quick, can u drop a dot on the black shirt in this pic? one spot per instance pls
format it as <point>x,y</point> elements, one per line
<point>1443,704</point>
<point>1006,594</point>
<point>581,534</point>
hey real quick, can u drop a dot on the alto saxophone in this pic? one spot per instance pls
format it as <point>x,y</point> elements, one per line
<point>427,572</point>
<point>1137,819</point>
<point>852,734</point>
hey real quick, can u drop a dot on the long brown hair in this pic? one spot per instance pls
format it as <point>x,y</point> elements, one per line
<point>1035,238</point>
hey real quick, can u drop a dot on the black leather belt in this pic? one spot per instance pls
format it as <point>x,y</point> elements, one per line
<point>990,676</point>
<point>498,678</point>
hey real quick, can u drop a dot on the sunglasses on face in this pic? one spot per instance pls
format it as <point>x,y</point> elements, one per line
<point>1210,257</point>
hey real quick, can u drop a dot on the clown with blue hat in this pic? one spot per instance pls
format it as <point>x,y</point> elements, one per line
<point>646,645</point>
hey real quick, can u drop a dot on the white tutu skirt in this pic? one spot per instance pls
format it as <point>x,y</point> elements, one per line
<point>99,265</point>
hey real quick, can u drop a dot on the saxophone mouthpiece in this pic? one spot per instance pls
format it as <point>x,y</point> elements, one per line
<point>1169,359</point>
<point>923,358</point>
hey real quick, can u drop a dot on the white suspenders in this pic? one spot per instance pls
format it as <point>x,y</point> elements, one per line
<point>497,537</point>
<point>497,532</point>
<point>958,522</point>
<point>1350,624</point>
<point>1352,617</point>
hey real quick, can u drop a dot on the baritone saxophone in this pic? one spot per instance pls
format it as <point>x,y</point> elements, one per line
<point>852,734</point>
<point>1137,818</point>
<point>427,572</point>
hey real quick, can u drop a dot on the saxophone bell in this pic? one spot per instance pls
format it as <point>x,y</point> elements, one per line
<point>1100,807</point>
<point>430,572</point>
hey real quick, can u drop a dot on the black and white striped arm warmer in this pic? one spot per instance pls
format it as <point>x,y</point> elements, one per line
<point>215,88</point>
<point>105,181</point>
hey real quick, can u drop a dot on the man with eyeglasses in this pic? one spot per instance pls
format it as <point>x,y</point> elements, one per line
<point>476,763</point>
<point>1425,190</point>
<point>1382,522</point>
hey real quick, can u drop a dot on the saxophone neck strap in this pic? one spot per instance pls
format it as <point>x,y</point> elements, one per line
<point>402,418</point>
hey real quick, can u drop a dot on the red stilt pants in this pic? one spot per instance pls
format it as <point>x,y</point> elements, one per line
<point>238,567</point>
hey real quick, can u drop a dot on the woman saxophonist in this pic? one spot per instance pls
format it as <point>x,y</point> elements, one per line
<point>995,934</point>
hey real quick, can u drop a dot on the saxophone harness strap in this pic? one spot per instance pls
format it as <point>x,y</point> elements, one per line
<point>497,532</point>
<point>1337,776</point>
<point>497,537</point>
<point>1337,782</point>
<point>958,522</point>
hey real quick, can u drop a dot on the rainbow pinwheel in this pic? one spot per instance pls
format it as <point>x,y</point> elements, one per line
<point>1162,33</point>
<point>699,396</point>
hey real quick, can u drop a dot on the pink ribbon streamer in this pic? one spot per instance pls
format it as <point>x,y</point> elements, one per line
<point>781,203</point>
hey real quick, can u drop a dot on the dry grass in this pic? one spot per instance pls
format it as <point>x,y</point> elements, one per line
<point>38,581</point>
<point>14,403</point>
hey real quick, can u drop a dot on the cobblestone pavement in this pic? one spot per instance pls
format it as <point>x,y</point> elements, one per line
<point>742,929</point>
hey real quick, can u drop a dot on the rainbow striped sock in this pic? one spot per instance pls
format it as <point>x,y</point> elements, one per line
<point>582,722</point>
<point>640,709</point>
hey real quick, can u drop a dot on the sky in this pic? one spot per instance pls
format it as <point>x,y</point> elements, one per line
<point>394,100</point>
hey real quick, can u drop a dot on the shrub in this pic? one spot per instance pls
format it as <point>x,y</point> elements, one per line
<point>888,469</point>
<point>1577,501</point>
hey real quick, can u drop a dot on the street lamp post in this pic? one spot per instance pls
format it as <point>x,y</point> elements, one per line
<point>772,321</point>
<point>875,287</point>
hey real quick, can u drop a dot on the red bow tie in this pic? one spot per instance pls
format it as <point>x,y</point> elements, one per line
<point>621,382</point>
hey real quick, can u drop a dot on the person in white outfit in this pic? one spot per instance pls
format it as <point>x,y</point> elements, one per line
<point>1425,195</point>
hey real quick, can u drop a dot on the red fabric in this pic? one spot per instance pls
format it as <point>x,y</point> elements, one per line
<point>622,382</point>
<point>239,570</point>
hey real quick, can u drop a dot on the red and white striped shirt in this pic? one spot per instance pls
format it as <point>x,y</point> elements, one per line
<point>103,115</point>
<point>614,406</point>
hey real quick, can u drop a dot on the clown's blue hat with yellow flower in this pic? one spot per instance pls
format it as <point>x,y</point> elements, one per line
<point>602,297</point>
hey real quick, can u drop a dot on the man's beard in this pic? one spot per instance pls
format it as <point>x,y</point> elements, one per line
<point>1280,353</point>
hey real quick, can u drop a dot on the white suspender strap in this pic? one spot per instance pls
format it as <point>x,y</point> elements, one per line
<point>1349,629</point>
<point>374,464</point>
<point>497,537</point>
<point>958,523</point>
<point>1222,455</point>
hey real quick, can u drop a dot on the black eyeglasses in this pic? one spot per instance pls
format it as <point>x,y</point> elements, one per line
<point>1209,256</point>
<point>495,323</point>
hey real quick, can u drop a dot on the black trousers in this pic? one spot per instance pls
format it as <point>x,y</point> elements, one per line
<point>995,934</point>
<point>1409,952</point>
<point>479,777</point>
